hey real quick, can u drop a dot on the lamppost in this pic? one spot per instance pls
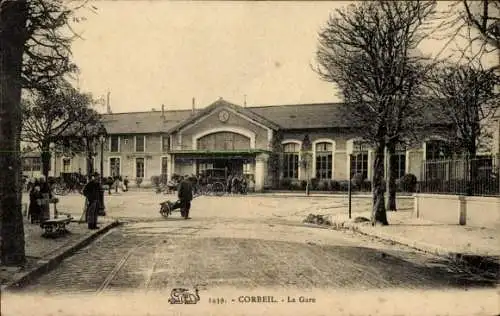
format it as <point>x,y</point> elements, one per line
<point>305,158</point>
<point>102,138</point>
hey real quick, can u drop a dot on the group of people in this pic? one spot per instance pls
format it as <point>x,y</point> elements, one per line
<point>237,184</point>
<point>40,196</point>
<point>116,182</point>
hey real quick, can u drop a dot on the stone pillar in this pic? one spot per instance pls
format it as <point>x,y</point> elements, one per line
<point>260,171</point>
<point>170,166</point>
<point>371,160</point>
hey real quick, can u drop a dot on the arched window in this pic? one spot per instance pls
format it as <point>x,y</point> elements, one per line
<point>324,159</point>
<point>223,141</point>
<point>291,160</point>
<point>437,150</point>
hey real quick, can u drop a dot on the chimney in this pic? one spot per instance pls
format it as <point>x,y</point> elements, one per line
<point>107,103</point>
<point>163,111</point>
<point>245,101</point>
<point>193,104</point>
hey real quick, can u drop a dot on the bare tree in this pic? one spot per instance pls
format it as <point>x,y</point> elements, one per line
<point>484,17</point>
<point>54,116</point>
<point>471,99</point>
<point>477,22</point>
<point>365,49</point>
<point>47,51</point>
<point>13,17</point>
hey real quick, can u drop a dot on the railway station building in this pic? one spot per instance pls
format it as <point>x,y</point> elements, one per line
<point>267,143</point>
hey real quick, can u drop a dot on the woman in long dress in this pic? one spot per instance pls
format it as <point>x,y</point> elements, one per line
<point>46,197</point>
<point>35,208</point>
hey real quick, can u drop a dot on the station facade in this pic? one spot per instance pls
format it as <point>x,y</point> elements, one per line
<point>265,143</point>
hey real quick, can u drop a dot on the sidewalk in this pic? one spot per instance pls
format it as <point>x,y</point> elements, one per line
<point>43,254</point>
<point>451,241</point>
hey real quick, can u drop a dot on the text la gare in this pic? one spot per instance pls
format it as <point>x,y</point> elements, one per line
<point>301,299</point>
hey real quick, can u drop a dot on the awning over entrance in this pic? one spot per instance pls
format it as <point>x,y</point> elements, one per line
<point>212,155</point>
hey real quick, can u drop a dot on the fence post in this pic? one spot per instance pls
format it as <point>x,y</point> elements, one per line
<point>462,208</point>
<point>416,211</point>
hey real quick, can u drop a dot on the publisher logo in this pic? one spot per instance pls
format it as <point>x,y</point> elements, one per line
<point>184,296</point>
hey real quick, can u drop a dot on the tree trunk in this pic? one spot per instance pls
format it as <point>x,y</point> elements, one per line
<point>379,214</point>
<point>391,178</point>
<point>90,155</point>
<point>46,155</point>
<point>13,16</point>
<point>471,167</point>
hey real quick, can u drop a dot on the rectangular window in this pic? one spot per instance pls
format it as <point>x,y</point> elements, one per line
<point>291,161</point>
<point>398,161</point>
<point>324,159</point>
<point>115,143</point>
<point>139,167</point>
<point>324,166</point>
<point>140,144</point>
<point>114,167</point>
<point>247,168</point>
<point>37,164</point>
<point>291,165</point>
<point>66,165</point>
<point>165,143</point>
<point>359,164</point>
<point>164,165</point>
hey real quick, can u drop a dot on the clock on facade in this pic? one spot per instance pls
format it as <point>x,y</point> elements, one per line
<point>223,116</point>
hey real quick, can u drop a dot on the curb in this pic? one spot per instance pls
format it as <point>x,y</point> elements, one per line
<point>428,248</point>
<point>325,195</point>
<point>48,264</point>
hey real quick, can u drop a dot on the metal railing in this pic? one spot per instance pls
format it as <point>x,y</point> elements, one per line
<point>476,177</point>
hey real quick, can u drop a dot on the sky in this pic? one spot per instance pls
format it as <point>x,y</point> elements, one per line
<point>149,53</point>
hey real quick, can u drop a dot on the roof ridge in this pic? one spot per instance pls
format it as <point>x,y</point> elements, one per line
<point>159,111</point>
<point>299,104</point>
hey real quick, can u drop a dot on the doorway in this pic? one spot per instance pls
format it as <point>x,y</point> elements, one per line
<point>234,166</point>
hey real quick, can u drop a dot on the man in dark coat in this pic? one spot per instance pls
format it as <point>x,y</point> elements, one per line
<point>35,209</point>
<point>92,193</point>
<point>185,195</point>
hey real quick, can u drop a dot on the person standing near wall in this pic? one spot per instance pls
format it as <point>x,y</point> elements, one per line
<point>185,195</point>
<point>92,193</point>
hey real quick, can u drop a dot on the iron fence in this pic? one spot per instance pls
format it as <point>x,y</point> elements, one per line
<point>476,177</point>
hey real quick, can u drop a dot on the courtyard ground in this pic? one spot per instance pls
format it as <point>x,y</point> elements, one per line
<point>242,246</point>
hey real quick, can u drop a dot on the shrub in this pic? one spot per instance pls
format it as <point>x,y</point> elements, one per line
<point>155,181</point>
<point>357,180</point>
<point>408,183</point>
<point>323,185</point>
<point>138,181</point>
<point>344,185</point>
<point>366,186</point>
<point>303,185</point>
<point>315,184</point>
<point>285,184</point>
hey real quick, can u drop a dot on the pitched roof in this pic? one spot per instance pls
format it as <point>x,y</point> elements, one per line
<point>293,116</point>
<point>298,116</point>
<point>144,122</point>
<point>223,103</point>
